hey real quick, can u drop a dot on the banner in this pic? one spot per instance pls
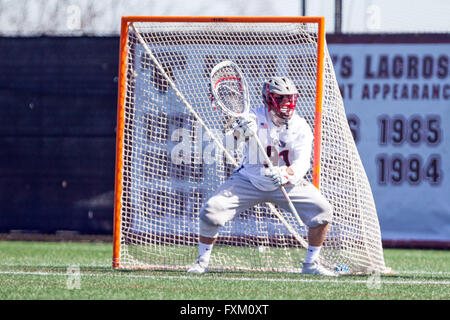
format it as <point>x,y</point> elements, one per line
<point>397,99</point>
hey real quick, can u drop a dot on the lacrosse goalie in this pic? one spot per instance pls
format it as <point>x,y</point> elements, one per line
<point>284,134</point>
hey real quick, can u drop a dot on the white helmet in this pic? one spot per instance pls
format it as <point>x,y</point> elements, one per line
<point>280,96</point>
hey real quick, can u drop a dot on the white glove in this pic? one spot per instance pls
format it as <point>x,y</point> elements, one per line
<point>279,175</point>
<point>246,126</point>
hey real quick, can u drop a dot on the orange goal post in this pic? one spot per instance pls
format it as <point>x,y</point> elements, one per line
<point>166,128</point>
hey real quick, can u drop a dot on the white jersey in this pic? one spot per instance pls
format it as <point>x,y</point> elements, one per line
<point>288,146</point>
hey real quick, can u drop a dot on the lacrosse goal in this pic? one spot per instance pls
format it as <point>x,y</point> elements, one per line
<point>170,146</point>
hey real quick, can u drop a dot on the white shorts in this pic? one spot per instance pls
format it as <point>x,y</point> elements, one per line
<point>238,194</point>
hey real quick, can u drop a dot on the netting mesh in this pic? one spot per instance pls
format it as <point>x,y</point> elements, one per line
<point>171,164</point>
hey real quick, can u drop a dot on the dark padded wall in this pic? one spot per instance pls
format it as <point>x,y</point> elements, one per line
<point>58,100</point>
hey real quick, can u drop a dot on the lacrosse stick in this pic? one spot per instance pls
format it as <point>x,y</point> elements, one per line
<point>230,92</point>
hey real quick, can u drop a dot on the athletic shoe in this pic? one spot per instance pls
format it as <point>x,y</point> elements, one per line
<point>199,267</point>
<point>316,268</point>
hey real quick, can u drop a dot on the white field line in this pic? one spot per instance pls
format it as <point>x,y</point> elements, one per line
<point>196,278</point>
<point>29,265</point>
<point>419,272</point>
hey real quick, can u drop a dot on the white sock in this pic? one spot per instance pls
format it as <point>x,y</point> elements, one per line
<point>312,254</point>
<point>204,251</point>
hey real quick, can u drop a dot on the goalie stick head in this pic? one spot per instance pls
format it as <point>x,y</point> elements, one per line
<point>229,89</point>
<point>280,96</point>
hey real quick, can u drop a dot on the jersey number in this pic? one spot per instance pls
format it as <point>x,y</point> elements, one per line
<point>274,156</point>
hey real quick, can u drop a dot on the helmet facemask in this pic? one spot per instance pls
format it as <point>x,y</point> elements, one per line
<point>280,96</point>
<point>283,106</point>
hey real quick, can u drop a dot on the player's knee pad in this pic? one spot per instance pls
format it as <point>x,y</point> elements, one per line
<point>212,213</point>
<point>212,217</point>
<point>207,229</point>
<point>323,216</point>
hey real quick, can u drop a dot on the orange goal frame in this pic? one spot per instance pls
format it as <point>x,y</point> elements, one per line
<point>320,21</point>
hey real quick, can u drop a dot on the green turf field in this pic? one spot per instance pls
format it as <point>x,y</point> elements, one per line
<point>42,270</point>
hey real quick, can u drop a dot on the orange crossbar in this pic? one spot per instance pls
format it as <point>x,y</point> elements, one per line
<point>121,96</point>
<point>220,19</point>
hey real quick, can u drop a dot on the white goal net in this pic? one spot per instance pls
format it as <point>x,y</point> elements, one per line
<point>169,162</point>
